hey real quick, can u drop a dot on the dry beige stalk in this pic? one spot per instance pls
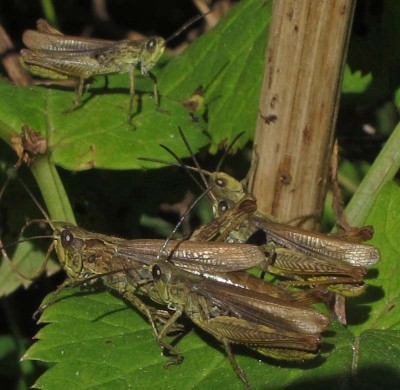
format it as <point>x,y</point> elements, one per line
<point>308,42</point>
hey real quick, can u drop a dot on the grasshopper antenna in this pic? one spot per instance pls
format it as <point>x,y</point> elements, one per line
<point>187,25</point>
<point>183,165</point>
<point>47,220</point>
<point>185,214</point>
<point>196,163</point>
<point>38,205</point>
<point>228,149</point>
<point>4,187</point>
<point>172,164</point>
<point>13,267</point>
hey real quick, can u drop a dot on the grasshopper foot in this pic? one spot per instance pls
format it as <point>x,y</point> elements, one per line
<point>130,122</point>
<point>175,360</point>
<point>162,110</point>
<point>72,109</point>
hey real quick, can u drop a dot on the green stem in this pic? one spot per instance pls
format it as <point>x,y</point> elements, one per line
<point>382,170</point>
<point>52,190</point>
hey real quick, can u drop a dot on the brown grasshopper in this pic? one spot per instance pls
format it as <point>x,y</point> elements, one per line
<point>271,326</point>
<point>84,254</point>
<point>305,268</point>
<point>344,257</point>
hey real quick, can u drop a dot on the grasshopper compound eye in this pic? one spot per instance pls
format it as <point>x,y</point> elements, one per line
<point>66,238</point>
<point>156,273</point>
<point>220,182</point>
<point>151,45</point>
<point>223,206</point>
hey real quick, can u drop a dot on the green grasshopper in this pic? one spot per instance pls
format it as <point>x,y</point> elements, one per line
<point>51,54</point>
<point>232,315</point>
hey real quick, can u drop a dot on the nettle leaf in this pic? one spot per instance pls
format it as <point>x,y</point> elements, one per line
<point>97,341</point>
<point>228,63</point>
<point>97,135</point>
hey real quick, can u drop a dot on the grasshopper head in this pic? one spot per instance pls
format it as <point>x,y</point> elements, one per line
<point>68,247</point>
<point>81,253</point>
<point>227,191</point>
<point>168,284</point>
<point>152,50</point>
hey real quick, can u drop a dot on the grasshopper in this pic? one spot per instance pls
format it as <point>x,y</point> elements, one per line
<point>51,54</point>
<point>83,254</point>
<point>305,268</point>
<point>232,315</point>
<point>228,191</point>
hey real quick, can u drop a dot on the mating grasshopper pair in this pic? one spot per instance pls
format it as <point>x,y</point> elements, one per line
<point>220,311</point>
<point>279,323</point>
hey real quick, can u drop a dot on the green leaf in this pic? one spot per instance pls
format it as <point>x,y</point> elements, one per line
<point>96,341</point>
<point>384,290</point>
<point>355,82</point>
<point>97,134</point>
<point>374,48</point>
<point>27,259</point>
<point>229,63</point>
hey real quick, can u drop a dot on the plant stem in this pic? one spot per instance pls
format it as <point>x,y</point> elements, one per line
<point>304,63</point>
<point>52,190</point>
<point>382,170</point>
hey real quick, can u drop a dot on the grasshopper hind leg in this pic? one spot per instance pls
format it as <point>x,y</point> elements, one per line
<point>238,370</point>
